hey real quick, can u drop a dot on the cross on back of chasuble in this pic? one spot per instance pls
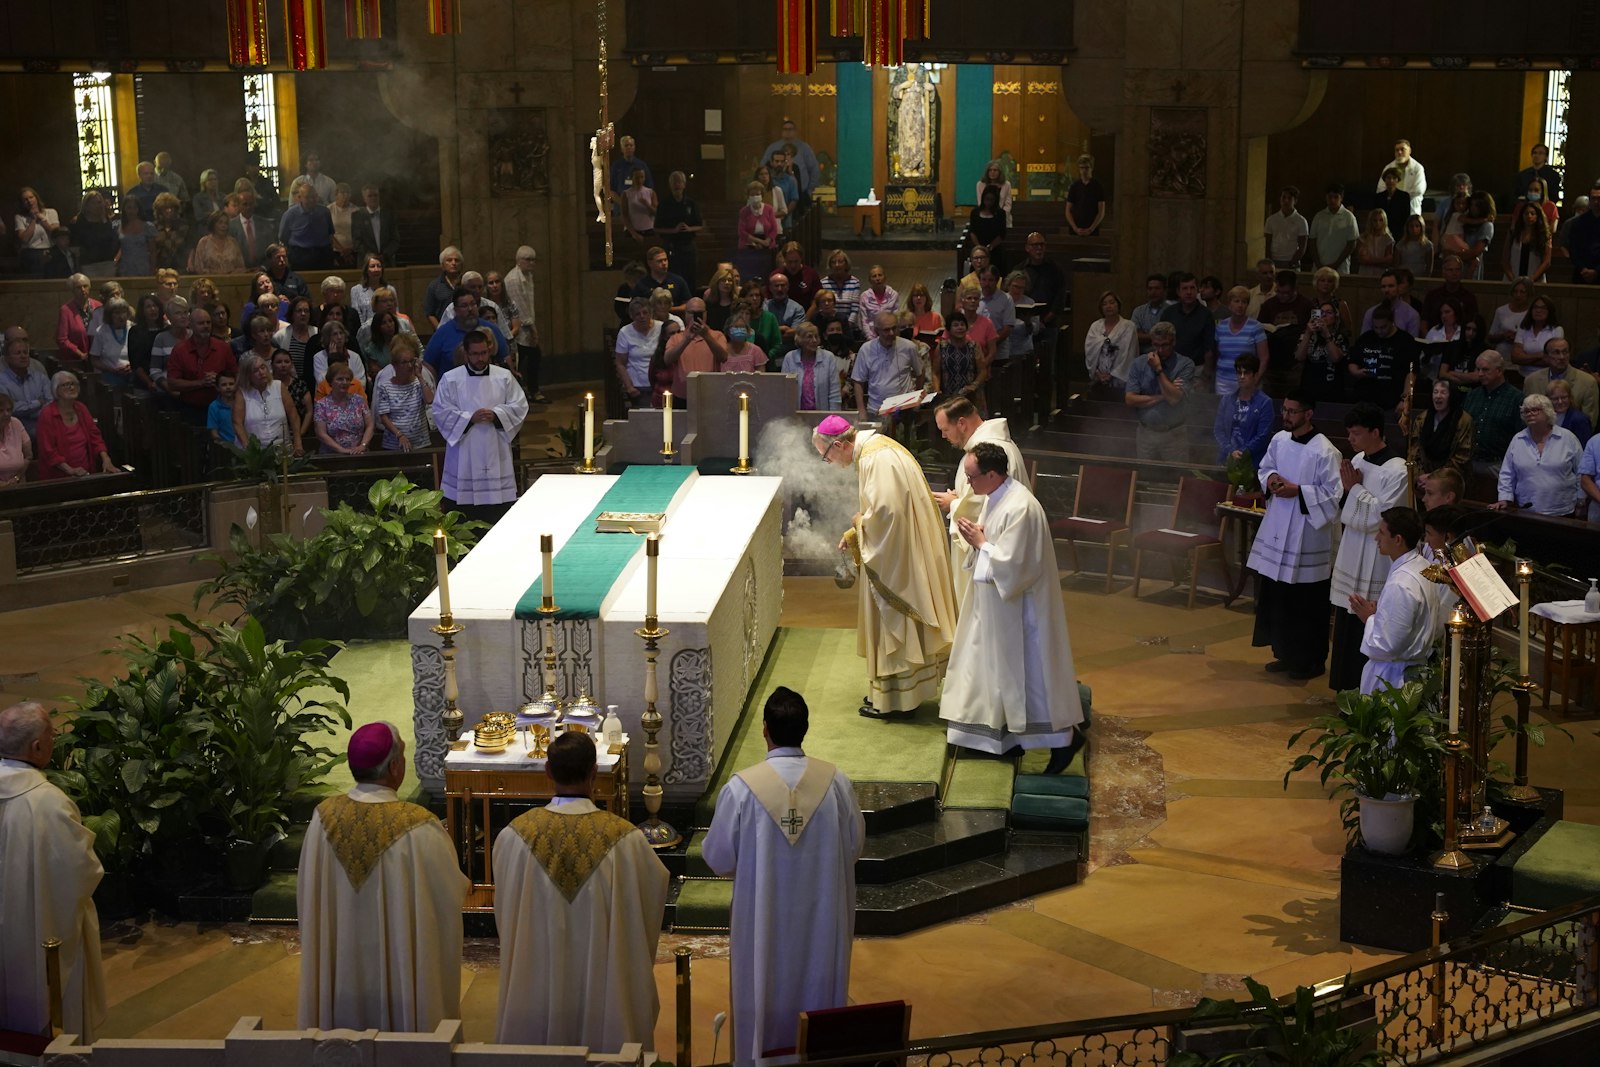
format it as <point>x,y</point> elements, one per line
<point>792,822</point>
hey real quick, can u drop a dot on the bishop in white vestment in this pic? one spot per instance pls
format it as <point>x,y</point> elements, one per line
<point>1010,681</point>
<point>48,874</point>
<point>380,894</point>
<point>962,425</point>
<point>1398,628</point>
<point>578,899</point>
<point>479,409</point>
<point>789,831</point>
<point>1373,482</point>
<point>1293,551</point>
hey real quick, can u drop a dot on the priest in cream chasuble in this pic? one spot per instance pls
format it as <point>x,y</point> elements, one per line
<point>579,896</point>
<point>906,615</point>
<point>380,896</point>
<point>789,831</point>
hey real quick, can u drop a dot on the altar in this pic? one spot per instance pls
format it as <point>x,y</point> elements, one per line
<point>720,593</point>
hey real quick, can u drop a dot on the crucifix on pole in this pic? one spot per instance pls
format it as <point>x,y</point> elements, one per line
<point>600,143</point>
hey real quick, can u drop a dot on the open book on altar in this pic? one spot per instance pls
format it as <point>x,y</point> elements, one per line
<point>1482,587</point>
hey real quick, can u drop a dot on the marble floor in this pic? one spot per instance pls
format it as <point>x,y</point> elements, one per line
<point>1203,868</point>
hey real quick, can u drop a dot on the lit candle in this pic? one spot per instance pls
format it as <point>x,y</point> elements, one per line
<point>588,429</point>
<point>666,421</point>
<point>441,560</point>
<point>1525,579</point>
<point>744,429</point>
<point>652,554</point>
<point>548,577</point>
<point>1457,624</point>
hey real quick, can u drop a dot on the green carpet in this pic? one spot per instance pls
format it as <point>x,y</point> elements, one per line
<point>587,566</point>
<point>822,665</point>
<point>379,676</point>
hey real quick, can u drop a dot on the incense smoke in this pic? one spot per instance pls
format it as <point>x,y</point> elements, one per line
<point>819,499</point>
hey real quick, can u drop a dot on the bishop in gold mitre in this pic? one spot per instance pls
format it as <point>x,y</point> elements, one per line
<point>578,899</point>
<point>380,898</point>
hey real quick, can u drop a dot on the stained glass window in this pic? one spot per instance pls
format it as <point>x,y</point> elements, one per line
<point>1557,98</point>
<point>97,134</point>
<point>261,124</point>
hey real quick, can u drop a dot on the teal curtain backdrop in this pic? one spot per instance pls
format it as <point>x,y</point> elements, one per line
<point>855,131</point>
<point>974,127</point>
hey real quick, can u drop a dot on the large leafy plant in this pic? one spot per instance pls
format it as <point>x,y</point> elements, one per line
<point>1301,1034</point>
<point>204,740</point>
<point>360,577</point>
<point>1381,745</point>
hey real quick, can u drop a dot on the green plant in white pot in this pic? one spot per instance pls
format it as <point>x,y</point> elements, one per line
<point>1384,752</point>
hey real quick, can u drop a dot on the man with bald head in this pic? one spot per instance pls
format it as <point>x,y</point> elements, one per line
<point>788,313</point>
<point>1496,409</point>
<point>696,347</point>
<point>50,871</point>
<point>886,366</point>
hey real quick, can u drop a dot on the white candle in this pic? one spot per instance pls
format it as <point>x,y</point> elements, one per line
<point>1524,576</point>
<point>441,560</point>
<point>666,421</point>
<point>744,429</point>
<point>588,429</point>
<point>1455,672</point>
<point>548,576</point>
<point>652,553</point>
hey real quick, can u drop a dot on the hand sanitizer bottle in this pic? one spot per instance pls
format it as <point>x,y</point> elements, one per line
<point>611,729</point>
<point>1591,603</point>
<point>872,194</point>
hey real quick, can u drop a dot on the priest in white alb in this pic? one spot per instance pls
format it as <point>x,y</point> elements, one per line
<point>959,421</point>
<point>788,830</point>
<point>380,896</point>
<point>48,874</point>
<point>1010,683</point>
<point>479,408</point>
<point>906,607</point>
<point>1372,482</point>
<point>578,899</point>
<point>1398,629</point>
<point>1293,551</point>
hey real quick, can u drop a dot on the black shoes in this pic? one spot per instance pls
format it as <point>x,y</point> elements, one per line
<point>1061,758</point>
<point>870,711</point>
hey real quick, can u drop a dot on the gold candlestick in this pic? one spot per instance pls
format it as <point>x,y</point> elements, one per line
<point>1451,857</point>
<point>587,466</point>
<point>451,718</point>
<point>548,609</point>
<point>658,833</point>
<point>1521,792</point>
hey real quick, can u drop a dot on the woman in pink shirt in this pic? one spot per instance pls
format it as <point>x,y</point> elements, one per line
<point>72,323</point>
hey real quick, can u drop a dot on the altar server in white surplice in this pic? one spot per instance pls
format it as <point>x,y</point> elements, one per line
<point>1011,681</point>
<point>479,408</point>
<point>1398,627</point>
<point>380,896</point>
<point>48,873</point>
<point>578,898</point>
<point>789,832</point>
<point>1293,552</point>
<point>961,424</point>
<point>1372,482</point>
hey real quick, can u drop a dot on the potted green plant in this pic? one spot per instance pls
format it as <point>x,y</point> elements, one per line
<point>1338,1031</point>
<point>1244,477</point>
<point>1384,752</point>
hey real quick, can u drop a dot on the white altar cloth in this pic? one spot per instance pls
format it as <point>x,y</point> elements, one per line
<point>719,593</point>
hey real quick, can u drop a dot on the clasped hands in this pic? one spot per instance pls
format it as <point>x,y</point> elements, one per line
<point>482,415</point>
<point>971,533</point>
<point>1280,486</point>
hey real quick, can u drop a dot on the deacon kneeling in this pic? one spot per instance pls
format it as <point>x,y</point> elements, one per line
<point>578,898</point>
<point>789,832</point>
<point>49,873</point>
<point>1011,681</point>
<point>1400,626</point>
<point>380,895</point>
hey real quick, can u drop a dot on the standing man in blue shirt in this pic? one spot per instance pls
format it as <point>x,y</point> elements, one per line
<point>306,229</point>
<point>622,169</point>
<point>441,351</point>
<point>1158,384</point>
<point>802,161</point>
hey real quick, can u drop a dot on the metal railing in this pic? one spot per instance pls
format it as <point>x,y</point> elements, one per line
<point>1498,988</point>
<point>105,529</point>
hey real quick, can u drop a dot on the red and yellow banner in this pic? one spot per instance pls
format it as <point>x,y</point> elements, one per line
<point>363,20</point>
<point>247,33</point>
<point>845,17</point>
<point>308,35</point>
<point>883,42</point>
<point>797,36</point>
<point>444,16</point>
<point>915,19</point>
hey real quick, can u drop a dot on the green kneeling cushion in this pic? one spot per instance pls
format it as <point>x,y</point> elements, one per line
<point>1561,868</point>
<point>1051,812</point>
<point>1069,783</point>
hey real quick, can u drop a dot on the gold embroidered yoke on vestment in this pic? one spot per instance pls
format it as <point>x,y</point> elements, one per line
<point>570,847</point>
<point>361,833</point>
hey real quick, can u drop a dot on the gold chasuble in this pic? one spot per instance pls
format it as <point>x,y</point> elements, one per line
<point>906,618</point>
<point>791,809</point>
<point>570,847</point>
<point>360,834</point>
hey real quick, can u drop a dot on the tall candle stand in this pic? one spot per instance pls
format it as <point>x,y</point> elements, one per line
<point>1451,857</point>
<point>659,834</point>
<point>1522,692</point>
<point>547,611</point>
<point>451,718</point>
